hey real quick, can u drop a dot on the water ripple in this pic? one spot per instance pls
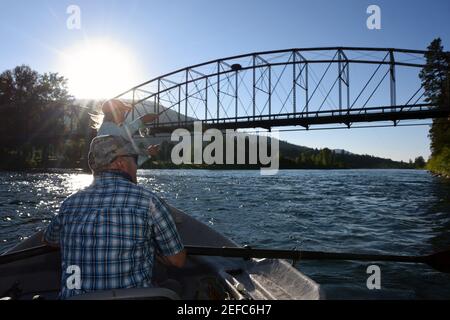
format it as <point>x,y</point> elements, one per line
<point>374,211</point>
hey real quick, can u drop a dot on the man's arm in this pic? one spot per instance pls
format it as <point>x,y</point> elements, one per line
<point>54,245</point>
<point>51,235</point>
<point>176,260</point>
<point>167,239</point>
<point>135,125</point>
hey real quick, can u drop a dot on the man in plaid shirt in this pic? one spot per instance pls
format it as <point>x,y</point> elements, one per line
<point>110,231</point>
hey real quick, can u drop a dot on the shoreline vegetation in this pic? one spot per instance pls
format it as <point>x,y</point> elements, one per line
<point>435,77</point>
<point>44,127</point>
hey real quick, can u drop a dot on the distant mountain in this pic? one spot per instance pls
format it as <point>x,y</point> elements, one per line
<point>170,115</point>
<point>167,114</point>
<point>293,156</point>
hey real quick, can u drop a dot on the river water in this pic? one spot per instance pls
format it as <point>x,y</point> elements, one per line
<point>362,211</point>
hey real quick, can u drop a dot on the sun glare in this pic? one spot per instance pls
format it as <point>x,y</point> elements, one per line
<point>98,69</point>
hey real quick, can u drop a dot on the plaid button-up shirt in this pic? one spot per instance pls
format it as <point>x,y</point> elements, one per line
<point>110,231</point>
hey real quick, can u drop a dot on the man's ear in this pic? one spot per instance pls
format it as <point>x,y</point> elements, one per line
<point>117,164</point>
<point>121,163</point>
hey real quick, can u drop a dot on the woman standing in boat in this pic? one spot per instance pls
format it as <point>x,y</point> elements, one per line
<point>114,112</point>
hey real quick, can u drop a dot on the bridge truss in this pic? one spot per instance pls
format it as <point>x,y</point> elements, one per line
<point>294,87</point>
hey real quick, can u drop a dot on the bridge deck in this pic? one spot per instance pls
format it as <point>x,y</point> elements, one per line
<point>307,119</point>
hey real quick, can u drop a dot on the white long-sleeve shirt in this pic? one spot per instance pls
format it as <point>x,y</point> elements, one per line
<point>125,130</point>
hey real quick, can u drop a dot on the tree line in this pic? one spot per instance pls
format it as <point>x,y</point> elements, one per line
<point>42,125</point>
<point>293,157</point>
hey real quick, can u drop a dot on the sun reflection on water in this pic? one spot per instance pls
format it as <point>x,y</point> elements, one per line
<point>76,182</point>
<point>29,201</point>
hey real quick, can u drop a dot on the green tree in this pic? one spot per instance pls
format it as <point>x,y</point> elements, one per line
<point>419,162</point>
<point>435,72</point>
<point>435,77</point>
<point>32,108</point>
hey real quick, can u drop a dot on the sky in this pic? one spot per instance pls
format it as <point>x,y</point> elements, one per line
<point>145,39</point>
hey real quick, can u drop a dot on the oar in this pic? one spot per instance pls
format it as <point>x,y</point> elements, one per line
<point>439,261</point>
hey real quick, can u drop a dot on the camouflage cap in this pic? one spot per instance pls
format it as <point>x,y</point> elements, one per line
<point>105,149</point>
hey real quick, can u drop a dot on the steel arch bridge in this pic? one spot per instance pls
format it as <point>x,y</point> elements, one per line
<point>293,87</point>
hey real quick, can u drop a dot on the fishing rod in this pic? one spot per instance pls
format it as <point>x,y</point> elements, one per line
<point>439,260</point>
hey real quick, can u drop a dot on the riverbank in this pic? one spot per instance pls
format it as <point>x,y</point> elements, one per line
<point>439,164</point>
<point>440,175</point>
